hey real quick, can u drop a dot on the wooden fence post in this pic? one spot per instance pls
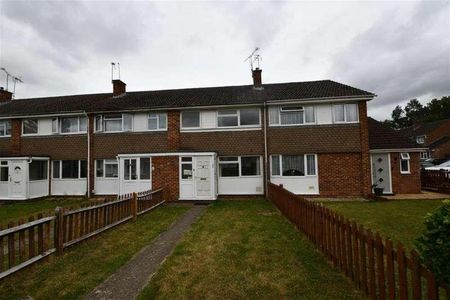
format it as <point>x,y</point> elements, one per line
<point>59,230</point>
<point>134,206</point>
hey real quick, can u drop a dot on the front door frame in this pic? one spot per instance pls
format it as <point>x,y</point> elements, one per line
<point>191,184</point>
<point>389,169</point>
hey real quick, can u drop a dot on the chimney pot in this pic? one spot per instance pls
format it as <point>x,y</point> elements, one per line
<point>5,95</point>
<point>119,87</point>
<point>256,74</point>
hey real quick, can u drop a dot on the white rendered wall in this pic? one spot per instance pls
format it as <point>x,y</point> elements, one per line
<point>38,188</point>
<point>4,189</point>
<point>241,185</point>
<point>106,186</point>
<point>69,187</point>
<point>305,185</point>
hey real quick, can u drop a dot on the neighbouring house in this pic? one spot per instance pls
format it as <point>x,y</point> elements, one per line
<point>394,159</point>
<point>432,135</point>
<point>198,143</point>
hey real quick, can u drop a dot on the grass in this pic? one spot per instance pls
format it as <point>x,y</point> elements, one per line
<point>402,221</point>
<point>246,249</point>
<point>84,266</point>
<point>14,211</point>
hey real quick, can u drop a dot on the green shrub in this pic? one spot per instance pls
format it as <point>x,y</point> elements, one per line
<point>434,244</point>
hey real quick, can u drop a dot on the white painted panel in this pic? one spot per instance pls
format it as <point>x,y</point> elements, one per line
<point>140,122</point>
<point>4,189</point>
<point>308,185</point>
<point>69,186</point>
<point>208,119</point>
<point>187,190</point>
<point>324,114</point>
<point>38,188</point>
<point>45,126</point>
<point>241,185</point>
<point>106,186</point>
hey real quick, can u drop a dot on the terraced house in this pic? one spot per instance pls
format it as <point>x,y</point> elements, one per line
<point>199,143</point>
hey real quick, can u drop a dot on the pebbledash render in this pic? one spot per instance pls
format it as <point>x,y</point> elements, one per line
<point>201,143</point>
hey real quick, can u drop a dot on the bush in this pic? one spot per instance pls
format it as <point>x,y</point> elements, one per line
<point>434,244</point>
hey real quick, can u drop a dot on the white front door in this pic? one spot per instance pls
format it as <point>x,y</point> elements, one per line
<point>202,174</point>
<point>135,174</point>
<point>17,179</point>
<point>381,171</point>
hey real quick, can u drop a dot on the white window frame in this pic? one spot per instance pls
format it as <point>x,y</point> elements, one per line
<point>305,162</point>
<point>405,157</point>
<point>199,120</point>
<point>156,116</point>
<point>4,164</point>
<point>79,170</point>
<point>191,162</point>
<point>239,162</point>
<point>238,114</point>
<point>345,113</point>
<point>23,127</point>
<point>104,163</point>
<point>4,123</point>
<point>420,139</point>
<point>302,108</point>
<point>103,118</point>
<point>98,120</point>
<point>59,124</point>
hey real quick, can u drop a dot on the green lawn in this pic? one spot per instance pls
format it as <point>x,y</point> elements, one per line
<point>401,221</point>
<point>87,264</point>
<point>14,211</point>
<point>246,249</point>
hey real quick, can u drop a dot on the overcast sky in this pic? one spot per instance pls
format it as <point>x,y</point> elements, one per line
<point>399,50</point>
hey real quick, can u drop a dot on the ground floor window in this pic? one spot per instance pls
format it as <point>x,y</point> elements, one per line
<point>144,168</point>
<point>425,155</point>
<point>186,168</point>
<point>239,166</point>
<point>293,165</point>
<point>4,170</point>
<point>38,170</point>
<point>130,171</point>
<point>107,168</point>
<point>404,163</point>
<point>69,169</point>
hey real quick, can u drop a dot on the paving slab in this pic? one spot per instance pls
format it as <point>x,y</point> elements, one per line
<point>130,279</point>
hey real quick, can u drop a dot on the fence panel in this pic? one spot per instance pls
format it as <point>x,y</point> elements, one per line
<point>375,266</point>
<point>436,180</point>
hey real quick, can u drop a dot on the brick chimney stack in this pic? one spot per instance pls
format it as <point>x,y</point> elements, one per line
<point>5,95</point>
<point>256,74</point>
<point>119,87</point>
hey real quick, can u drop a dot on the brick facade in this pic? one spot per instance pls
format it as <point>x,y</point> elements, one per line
<point>165,174</point>
<point>366,182</point>
<point>405,183</point>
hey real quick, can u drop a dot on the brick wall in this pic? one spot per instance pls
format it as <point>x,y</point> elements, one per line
<point>443,151</point>
<point>442,130</point>
<point>365,171</point>
<point>57,147</point>
<point>405,183</point>
<point>339,174</point>
<point>173,130</point>
<point>5,146</point>
<point>16,131</point>
<point>165,174</point>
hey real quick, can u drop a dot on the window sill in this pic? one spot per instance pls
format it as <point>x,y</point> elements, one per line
<point>405,173</point>
<point>221,129</point>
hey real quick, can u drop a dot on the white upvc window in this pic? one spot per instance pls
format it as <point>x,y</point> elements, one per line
<point>69,169</point>
<point>240,166</point>
<point>38,170</point>
<point>404,163</point>
<point>345,113</point>
<point>291,115</point>
<point>186,168</point>
<point>55,125</point>
<point>190,119</point>
<point>30,126</point>
<point>71,124</point>
<point>114,123</point>
<point>157,121</point>
<point>106,168</point>
<point>5,128</point>
<point>4,171</point>
<point>420,139</point>
<point>244,117</point>
<point>425,155</point>
<point>293,165</point>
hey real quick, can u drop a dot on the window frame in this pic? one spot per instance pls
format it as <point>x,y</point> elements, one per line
<point>345,105</point>
<point>59,121</point>
<point>295,108</point>
<point>239,163</point>
<point>60,177</point>
<point>305,166</point>
<point>102,119</point>
<point>238,115</point>
<point>7,127</point>
<point>45,163</point>
<point>23,127</point>
<point>4,164</point>
<point>186,162</point>
<point>420,139</point>
<point>157,117</point>
<point>191,127</point>
<point>404,156</point>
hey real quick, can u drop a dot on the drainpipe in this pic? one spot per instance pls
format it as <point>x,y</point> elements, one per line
<point>266,185</point>
<point>88,155</point>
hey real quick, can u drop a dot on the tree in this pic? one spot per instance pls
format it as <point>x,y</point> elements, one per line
<point>398,118</point>
<point>414,112</point>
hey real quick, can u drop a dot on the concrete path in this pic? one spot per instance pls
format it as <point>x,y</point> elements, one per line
<point>128,281</point>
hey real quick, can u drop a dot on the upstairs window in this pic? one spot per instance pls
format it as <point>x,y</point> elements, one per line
<point>420,139</point>
<point>30,126</point>
<point>114,123</point>
<point>190,119</point>
<point>157,121</point>
<point>345,113</point>
<point>293,165</point>
<point>5,127</point>
<point>291,115</point>
<point>404,163</point>
<point>238,117</point>
<point>38,170</point>
<point>72,124</point>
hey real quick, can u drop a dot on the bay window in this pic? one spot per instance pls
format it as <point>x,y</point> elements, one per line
<point>345,113</point>
<point>291,115</point>
<point>404,163</point>
<point>5,128</point>
<point>293,165</point>
<point>157,121</point>
<point>30,126</point>
<point>239,166</point>
<point>190,119</point>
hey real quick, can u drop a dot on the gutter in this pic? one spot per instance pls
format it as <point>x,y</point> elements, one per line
<point>266,168</point>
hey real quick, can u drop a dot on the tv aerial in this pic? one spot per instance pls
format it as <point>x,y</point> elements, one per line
<point>254,58</point>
